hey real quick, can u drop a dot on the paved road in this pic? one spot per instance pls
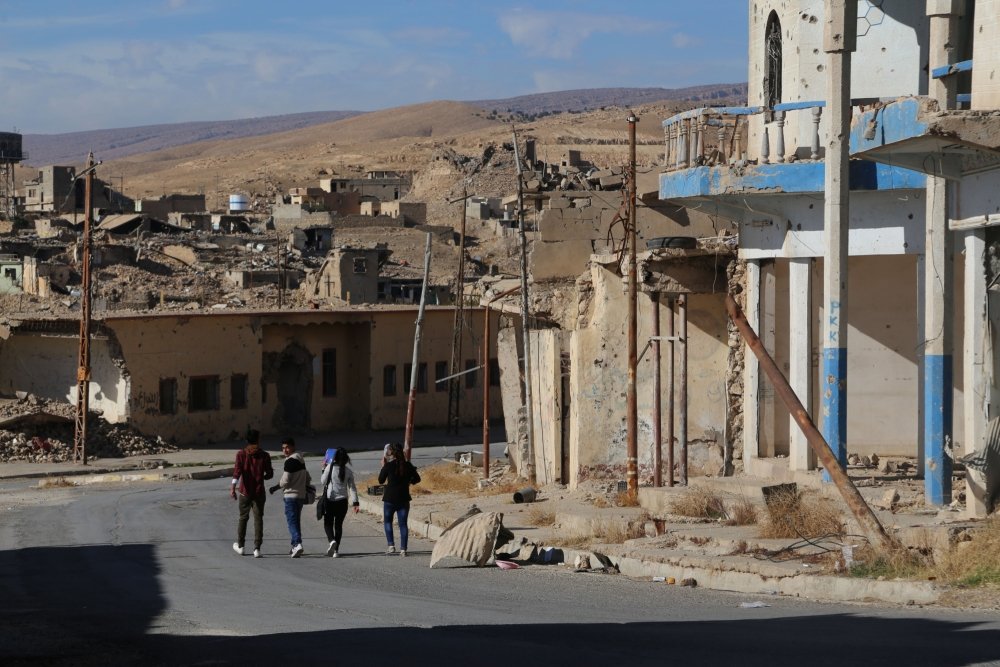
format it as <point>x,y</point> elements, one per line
<point>145,574</point>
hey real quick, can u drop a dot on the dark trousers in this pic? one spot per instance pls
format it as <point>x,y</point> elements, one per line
<point>247,503</point>
<point>333,519</point>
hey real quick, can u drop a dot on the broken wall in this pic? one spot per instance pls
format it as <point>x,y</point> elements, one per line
<point>46,364</point>
<point>599,378</point>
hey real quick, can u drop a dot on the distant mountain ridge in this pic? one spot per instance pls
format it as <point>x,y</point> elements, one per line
<point>589,99</point>
<point>72,148</point>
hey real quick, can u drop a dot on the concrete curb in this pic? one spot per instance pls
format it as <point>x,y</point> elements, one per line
<point>811,586</point>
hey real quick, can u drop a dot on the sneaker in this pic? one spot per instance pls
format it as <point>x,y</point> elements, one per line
<point>335,554</point>
<point>402,552</point>
<point>390,550</point>
<point>238,549</point>
<point>297,551</point>
<point>256,553</point>
<point>332,549</point>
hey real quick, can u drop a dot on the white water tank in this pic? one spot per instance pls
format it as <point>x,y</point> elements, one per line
<point>239,203</point>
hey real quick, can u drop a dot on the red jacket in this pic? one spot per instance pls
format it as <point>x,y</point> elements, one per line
<point>252,469</point>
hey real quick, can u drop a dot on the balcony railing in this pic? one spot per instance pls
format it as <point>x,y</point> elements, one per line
<point>953,70</point>
<point>719,135</point>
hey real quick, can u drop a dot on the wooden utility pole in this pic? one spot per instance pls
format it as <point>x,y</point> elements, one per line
<point>83,366</point>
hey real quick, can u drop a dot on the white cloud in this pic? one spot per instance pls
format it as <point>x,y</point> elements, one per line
<point>682,40</point>
<point>559,35</point>
<point>174,5</point>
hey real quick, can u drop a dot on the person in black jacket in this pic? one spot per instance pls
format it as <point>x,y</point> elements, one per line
<point>397,474</point>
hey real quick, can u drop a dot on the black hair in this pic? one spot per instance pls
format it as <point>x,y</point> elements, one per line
<point>341,458</point>
<point>253,436</point>
<point>400,459</point>
<point>289,441</point>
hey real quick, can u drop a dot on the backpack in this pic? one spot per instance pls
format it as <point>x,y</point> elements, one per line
<point>310,494</point>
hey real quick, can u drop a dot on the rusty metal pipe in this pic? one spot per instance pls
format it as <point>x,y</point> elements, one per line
<point>631,411</point>
<point>869,523</point>
<point>682,408</point>
<point>83,368</point>
<point>657,440</point>
<point>670,392</point>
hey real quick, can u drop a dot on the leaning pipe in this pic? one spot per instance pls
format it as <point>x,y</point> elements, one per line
<point>869,523</point>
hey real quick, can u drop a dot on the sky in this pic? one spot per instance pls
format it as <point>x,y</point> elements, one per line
<point>67,65</point>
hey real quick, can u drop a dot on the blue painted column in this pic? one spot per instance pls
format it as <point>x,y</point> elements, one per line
<point>839,37</point>
<point>937,428</point>
<point>938,280</point>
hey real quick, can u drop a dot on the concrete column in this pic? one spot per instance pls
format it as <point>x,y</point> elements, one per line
<point>977,393</point>
<point>751,373</point>
<point>800,456</point>
<point>767,331</point>
<point>938,285</point>
<point>839,33</point>
<point>920,281</point>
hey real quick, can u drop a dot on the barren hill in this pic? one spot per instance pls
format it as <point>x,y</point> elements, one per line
<point>72,147</point>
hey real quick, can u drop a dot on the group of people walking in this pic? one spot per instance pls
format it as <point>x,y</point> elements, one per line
<point>253,467</point>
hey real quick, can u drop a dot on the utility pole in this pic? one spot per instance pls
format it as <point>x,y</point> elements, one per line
<point>839,38</point>
<point>631,410</point>
<point>83,367</point>
<point>529,464</point>
<point>454,385</point>
<point>411,402</point>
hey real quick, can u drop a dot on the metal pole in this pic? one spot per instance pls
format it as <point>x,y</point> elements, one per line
<point>454,385</point>
<point>83,367</point>
<point>414,367</point>
<point>838,42</point>
<point>657,441</point>
<point>867,520</point>
<point>631,409</point>
<point>682,408</point>
<point>526,339</point>
<point>670,392</point>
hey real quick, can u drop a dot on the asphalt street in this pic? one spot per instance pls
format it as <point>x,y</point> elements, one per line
<point>145,574</point>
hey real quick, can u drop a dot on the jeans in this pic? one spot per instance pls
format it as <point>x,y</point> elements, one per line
<point>333,519</point>
<point>256,504</point>
<point>293,515</point>
<point>401,512</point>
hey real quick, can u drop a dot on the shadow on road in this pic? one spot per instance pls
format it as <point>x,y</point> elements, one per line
<point>95,605</point>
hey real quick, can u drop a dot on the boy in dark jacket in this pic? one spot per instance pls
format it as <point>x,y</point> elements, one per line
<point>294,480</point>
<point>253,466</point>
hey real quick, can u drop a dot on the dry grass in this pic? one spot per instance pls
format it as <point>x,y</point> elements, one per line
<point>538,516</point>
<point>743,513</point>
<point>898,563</point>
<point>975,562</point>
<point>797,515</point>
<point>617,532</point>
<point>444,478</point>
<point>699,503</point>
<point>502,489</point>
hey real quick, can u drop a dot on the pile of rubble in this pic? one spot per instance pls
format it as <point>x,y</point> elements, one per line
<point>41,431</point>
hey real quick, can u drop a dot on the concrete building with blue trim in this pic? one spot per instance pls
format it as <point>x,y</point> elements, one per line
<point>914,372</point>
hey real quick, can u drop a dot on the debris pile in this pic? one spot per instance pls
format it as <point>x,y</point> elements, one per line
<point>39,431</point>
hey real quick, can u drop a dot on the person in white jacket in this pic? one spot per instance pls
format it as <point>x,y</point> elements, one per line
<point>338,486</point>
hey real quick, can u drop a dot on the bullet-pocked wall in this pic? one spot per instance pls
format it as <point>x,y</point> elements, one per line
<point>889,61</point>
<point>599,378</point>
<point>193,378</point>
